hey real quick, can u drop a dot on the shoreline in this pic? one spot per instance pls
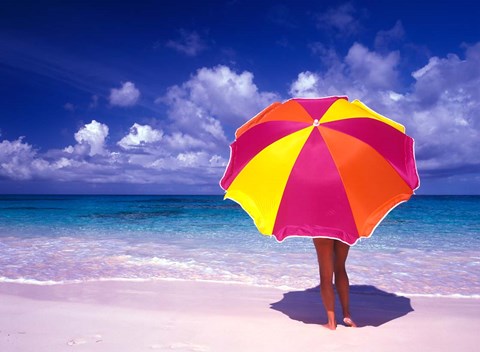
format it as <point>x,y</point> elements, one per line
<point>205,316</point>
<point>34,282</point>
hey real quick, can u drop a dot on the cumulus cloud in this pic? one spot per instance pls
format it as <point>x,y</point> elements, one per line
<point>189,43</point>
<point>191,118</point>
<point>126,95</point>
<point>358,74</point>
<point>199,110</point>
<point>372,69</point>
<point>215,97</point>
<point>90,139</point>
<point>18,159</point>
<point>167,168</point>
<point>445,110</point>
<point>191,148</point>
<point>140,135</point>
<point>178,141</point>
<point>306,85</point>
<point>441,108</point>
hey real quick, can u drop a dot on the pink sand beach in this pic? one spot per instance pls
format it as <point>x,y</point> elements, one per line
<point>203,316</point>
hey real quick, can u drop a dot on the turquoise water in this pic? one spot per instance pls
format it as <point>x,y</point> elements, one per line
<point>428,246</point>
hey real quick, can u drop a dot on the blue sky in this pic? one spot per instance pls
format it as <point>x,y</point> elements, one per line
<point>144,96</point>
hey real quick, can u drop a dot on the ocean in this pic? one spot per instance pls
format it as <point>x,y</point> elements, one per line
<point>428,246</point>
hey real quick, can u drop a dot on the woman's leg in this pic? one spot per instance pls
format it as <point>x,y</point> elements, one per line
<point>341,280</point>
<point>324,248</point>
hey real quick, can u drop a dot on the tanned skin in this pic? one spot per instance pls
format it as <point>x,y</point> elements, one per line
<point>332,255</point>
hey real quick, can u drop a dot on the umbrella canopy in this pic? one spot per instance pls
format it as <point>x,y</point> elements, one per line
<point>320,168</point>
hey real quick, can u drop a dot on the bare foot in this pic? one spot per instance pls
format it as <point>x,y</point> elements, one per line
<point>330,326</point>
<point>349,322</point>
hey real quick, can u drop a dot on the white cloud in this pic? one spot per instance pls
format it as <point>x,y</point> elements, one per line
<point>62,163</point>
<point>140,135</point>
<point>193,161</point>
<point>305,85</point>
<point>215,97</point>
<point>199,111</point>
<point>191,148</point>
<point>441,109</point>
<point>445,111</point>
<point>217,160</point>
<point>93,136</point>
<point>432,62</point>
<point>194,145</point>
<point>166,165</point>
<point>16,158</point>
<point>372,69</point>
<point>179,141</point>
<point>127,95</point>
<point>359,74</point>
<point>395,96</point>
<point>227,94</point>
<point>189,43</point>
<point>19,161</point>
<point>189,118</point>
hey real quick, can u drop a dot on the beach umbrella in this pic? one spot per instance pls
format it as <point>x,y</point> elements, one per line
<point>322,167</point>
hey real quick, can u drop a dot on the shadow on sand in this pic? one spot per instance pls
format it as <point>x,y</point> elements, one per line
<point>369,306</point>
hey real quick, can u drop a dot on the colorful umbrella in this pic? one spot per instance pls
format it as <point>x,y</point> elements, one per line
<point>320,168</point>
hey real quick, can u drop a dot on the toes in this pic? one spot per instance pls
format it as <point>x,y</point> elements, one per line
<point>349,322</point>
